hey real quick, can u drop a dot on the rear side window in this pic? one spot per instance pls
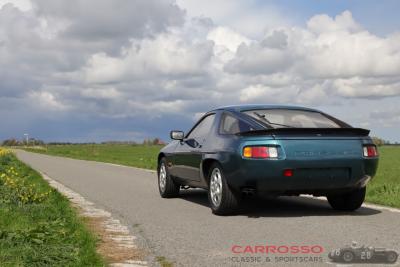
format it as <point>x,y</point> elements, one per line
<point>232,125</point>
<point>203,128</point>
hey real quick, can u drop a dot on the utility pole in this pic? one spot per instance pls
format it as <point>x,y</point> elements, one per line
<point>27,138</point>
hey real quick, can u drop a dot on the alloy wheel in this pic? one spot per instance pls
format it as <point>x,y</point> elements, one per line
<point>216,187</point>
<point>162,177</point>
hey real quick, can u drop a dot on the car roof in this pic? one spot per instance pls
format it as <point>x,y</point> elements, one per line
<point>240,108</point>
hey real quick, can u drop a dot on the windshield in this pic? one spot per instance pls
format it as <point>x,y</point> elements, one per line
<point>292,118</point>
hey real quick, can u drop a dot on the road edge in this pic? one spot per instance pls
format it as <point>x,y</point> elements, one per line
<point>113,229</point>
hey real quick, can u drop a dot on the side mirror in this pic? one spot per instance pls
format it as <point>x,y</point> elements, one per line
<point>177,135</point>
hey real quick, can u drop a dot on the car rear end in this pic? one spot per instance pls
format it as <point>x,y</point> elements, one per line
<point>306,164</point>
<point>314,160</point>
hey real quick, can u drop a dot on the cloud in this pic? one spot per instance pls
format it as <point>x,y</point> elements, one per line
<point>167,55</point>
<point>99,20</point>
<point>148,60</point>
<point>227,38</point>
<point>367,87</point>
<point>246,17</point>
<point>46,100</point>
<point>386,118</point>
<point>336,52</point>
<point>343,22</point>
<point>21,4</point>
<point>101,93</point>
<point>259,58</point>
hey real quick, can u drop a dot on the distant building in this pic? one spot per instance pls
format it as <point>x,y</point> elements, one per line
<point>160,142</point>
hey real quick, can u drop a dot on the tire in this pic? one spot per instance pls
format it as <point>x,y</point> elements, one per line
<point>348,201</point>
<point>223,200</point>
<point>166,186</point>
<point>348,256</point>
<point>391,257</point>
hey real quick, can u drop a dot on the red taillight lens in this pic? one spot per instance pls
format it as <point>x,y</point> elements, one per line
<point>370,151</point>
<point>260,152</point>
<point>288,173</point>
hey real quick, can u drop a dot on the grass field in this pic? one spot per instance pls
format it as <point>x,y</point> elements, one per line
<point>142,156</point>
<point>383,189</point>
<point>38,227</point>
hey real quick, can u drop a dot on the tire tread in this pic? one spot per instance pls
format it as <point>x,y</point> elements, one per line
<point>230,199</point>
<point>348,201</point>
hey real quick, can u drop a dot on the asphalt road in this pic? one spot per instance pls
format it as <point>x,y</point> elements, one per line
<point>186,232</point>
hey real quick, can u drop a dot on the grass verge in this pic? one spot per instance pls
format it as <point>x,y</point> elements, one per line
<point>38,227</point>
<point>384,189</point>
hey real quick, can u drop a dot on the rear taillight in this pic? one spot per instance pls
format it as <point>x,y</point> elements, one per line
<point>370,151</point>
<point>260,152</point>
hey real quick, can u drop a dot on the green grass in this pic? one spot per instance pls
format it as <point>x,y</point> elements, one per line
<point>142,156</point>
<point>164,262</point>
<point>383,189</point>
<point>39,229</point>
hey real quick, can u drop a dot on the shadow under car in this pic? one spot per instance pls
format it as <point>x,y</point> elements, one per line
<point>284,206</point>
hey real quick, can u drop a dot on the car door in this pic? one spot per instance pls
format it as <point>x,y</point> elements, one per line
<point>188,153</point>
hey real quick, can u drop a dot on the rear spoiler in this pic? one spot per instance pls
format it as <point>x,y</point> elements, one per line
<point>308,131</point>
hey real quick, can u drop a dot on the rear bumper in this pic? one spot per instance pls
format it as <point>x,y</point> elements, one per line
<point>309,176</point>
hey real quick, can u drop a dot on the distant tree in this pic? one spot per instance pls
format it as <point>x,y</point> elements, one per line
<point>119,143</point>
<point>15,142</point>
<point>36,142</point>
<point>154,141</point>
<point>146,142</point>
<point>379,141</point>
<point>11,142</point>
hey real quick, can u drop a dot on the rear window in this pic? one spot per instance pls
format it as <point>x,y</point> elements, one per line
<point>291,118</point>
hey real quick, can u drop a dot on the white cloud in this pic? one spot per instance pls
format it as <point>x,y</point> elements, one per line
<point>246,17</point>
<point>46,101</point>
<point>167,55</point>
<point>23,5</point>
<point>101,93</point>
<point>227,38</point>
<point>349,61</point>
<point>257,59</point>
<point>358,87</point>
<point>104,20</point>
<point>129,58</point>
<point>386,117</point>
<point>323,23</point>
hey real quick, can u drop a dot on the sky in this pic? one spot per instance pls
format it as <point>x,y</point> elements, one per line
<point>101,70</point>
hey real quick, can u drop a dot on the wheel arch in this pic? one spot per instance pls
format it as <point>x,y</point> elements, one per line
<point>160,156</point>
<point>223,159</point>
<point>205,168</point>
